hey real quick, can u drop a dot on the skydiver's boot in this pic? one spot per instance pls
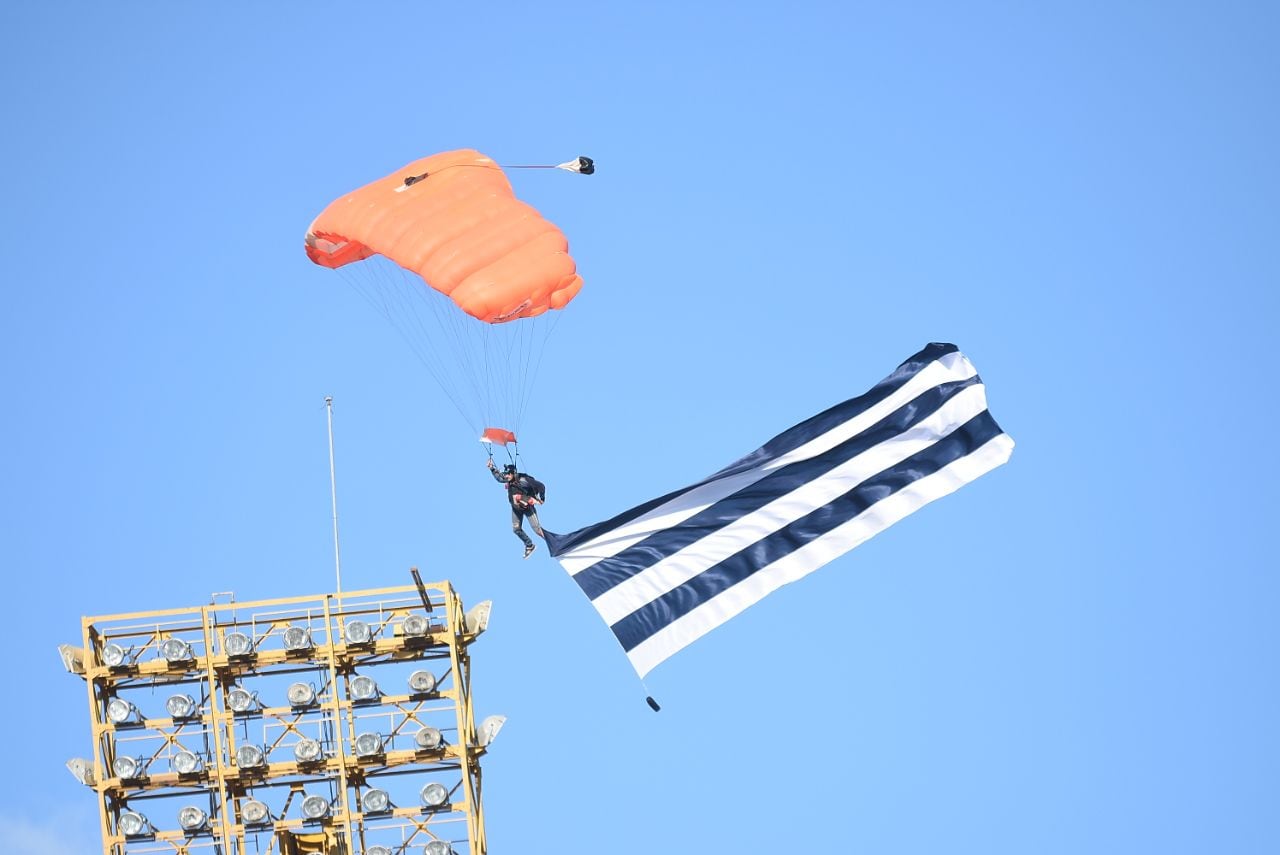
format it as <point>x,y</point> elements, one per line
<point>528,550</point>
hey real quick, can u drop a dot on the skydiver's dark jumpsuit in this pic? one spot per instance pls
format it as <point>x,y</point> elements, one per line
<point>519,490</point>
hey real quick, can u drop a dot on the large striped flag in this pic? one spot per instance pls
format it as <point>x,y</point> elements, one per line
<point>665,573</point>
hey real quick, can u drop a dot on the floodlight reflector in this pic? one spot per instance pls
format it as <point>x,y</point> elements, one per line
<point>434,794</point>
<point>428,738</point>
<point>181,706</point>
<point>437,847</point>
<point>315,807</point>
<point>113,655</point>
<point>308,751</point>
<point>421,682</point>
<point>368,745</point>
<point>132,824</point>
<point>297,638</point>
<point>357,632</point>
<point>192,818</point>
<point>175,651</point>
<point>187,762</point>
<point>128,767</point>
<point>254,812</point>
<point>377,850</point>
<point>488,730</point>
<point>120,711</point>
<point>241,700</point>
<point>415,625</point>
<point>301,694</point>
<point>363,688</point>
<point>237,644</point>
<point>375,801</point>
<point>250,757</point>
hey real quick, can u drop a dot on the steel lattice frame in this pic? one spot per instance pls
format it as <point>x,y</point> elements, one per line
<point>435,640</point>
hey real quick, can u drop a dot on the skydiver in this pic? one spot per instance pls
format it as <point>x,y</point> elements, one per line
<point>525,493</point>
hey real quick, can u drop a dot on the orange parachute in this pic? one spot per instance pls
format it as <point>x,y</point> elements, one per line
<point>444,238</point>
<point>453,219</point>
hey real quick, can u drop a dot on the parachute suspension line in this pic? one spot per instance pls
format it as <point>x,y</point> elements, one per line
<point>583,165</point>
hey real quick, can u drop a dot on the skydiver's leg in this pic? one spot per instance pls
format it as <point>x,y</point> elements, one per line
<point>517,526</point>
<point>533,521</point>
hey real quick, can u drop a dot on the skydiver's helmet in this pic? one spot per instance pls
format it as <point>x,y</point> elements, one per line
<point>509,469</point>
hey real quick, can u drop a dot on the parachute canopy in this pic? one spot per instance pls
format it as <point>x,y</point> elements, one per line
<point>453,219</point>
<point>500,436</point>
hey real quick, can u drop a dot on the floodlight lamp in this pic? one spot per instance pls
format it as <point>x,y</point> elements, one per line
<point>301,694</point>
<point>120,711</point>
<point>132,824</point>
<point>176,651</point>
<point>241,700</point>
<point>421,682</point>
<point>254,812</point>
<point>82,770</point>
<point>368,745</point>
<point>250,757</point>
<point>428,738</point>
<point>192,818</point>
<point>181,706</point>
<point>187,763</point>
<point>363,688</point>
<point>489,728</point>
<point>114,656</point>
<point>375,801</point>
<point>415,625</point>
<point>437,847</point>
<point>308,751</point>
<point>129,768</point>
<point>72,658</point>
<point>476,620</point>
<point>236,644</point>
<point>315,807</point>
<point>357,632</point>
<point>434,794</point>
<point>377,850</point>
<point>297,638</point>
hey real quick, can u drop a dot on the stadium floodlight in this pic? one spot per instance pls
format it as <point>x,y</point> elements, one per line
<point>434,794</point>
<point>368,744</point>
<point>476,620</point>
<point>254,812</point>
<point>375,801</point>
<point>363,688</point>
<point>428,738</point>
<point>133,824</point>
<point>488,730</point>
<point>187,763</point>
<point>297,638</point>
<point>241,700</point>
<point>308,751</point>
<point>415,625</point>
<point>114,656</point>
<point>82,770</point>
<point>437,847</point>
<point>72,658</point>
<point>192,819</point>
<point>357,632</point>
<point>315,807</point>
<point>377,850</point>
<point>250,757</point>
<point>129,768</point>
<point>421,682</point>
<point>181,706</point>
<point>176,651</point>
<point>237,645</point>
<point>120,711</point>
<point>301,694</point>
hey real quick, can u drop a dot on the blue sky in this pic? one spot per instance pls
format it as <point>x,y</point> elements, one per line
<point>1077,653</point>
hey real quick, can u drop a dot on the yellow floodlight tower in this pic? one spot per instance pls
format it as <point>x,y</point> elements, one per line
<point>323,724</point>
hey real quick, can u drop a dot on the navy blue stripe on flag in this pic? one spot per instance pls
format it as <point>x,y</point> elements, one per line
<point>649,619</point>
<point>607,573</point>
<point>785,442</point>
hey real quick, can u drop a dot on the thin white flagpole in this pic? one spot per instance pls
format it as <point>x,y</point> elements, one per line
<point>333,494</point>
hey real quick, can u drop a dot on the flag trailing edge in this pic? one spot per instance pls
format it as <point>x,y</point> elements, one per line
<point>666,572</point>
